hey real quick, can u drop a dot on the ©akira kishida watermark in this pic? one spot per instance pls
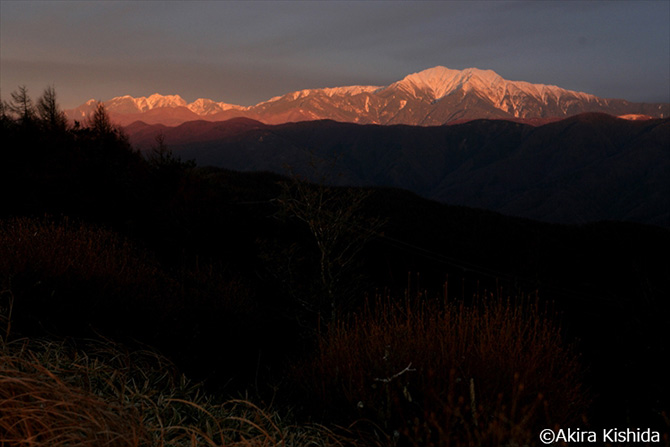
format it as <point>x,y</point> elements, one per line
<point>625,435</point>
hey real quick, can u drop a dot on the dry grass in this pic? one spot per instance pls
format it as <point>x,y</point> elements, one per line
<point>39,409</point>
<point>69,277</point>
<point>100,394</point>
<point>64,273</point>
<point>64,248</point>
<point>449,373</point>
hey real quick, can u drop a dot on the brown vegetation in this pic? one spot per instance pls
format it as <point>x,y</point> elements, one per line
<point>55,394</point>
<point>447,373</point>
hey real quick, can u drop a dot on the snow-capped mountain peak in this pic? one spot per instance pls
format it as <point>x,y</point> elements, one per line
<point>157,100</point>
<point>129,104</point>
<point>350,90</point>
<point>434,82</point>
<point>203,106</point>
<point>331,92</point>
<point>438,82</point>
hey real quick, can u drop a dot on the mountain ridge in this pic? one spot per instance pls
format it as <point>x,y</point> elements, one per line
<point>584,168</point>
<point>434,96</point>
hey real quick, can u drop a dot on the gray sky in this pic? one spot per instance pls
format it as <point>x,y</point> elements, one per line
<point>247,52</point>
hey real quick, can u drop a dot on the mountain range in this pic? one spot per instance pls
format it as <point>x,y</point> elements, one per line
<point>431,97</point>
<point>521,149</point>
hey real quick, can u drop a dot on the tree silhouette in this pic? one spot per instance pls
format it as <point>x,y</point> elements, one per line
<point>333,216</point>
<point>48,111</point>
<point>22,105</point>
<point>100,122</point>
<point>5,114</point>
<point>161,156</point>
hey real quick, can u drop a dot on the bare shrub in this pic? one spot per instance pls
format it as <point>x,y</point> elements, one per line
<point>340,231</point>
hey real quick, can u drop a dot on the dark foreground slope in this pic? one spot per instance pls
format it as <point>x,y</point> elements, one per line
<point>211,263</point>
<point>582,169</point>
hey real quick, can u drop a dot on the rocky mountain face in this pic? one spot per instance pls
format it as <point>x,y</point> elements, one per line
<point>434,96</point>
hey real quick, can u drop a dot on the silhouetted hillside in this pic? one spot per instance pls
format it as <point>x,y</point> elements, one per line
<point>582,169</point>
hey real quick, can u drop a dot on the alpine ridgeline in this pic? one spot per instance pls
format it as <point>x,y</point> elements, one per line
<point>434,96</point>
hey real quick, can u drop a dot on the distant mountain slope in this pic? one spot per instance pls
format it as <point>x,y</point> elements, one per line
<point>431,97</point>
<point>585,168</point>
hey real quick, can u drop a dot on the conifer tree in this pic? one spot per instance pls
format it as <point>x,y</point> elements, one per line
<point>22,106</point>
<point>48,111</point>
<point>100,122</point>
<point>5,116</point>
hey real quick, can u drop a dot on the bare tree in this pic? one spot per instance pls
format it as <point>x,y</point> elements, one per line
<point>333,216</point>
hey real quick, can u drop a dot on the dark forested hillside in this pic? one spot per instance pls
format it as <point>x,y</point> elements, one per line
<point>582,169</point>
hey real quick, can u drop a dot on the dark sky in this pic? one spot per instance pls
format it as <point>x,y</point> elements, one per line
<point>247,52</point>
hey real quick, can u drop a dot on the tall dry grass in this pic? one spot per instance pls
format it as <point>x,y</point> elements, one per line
<point>38,408</point>
<point>100,394</point>
<point>445,373</point>
<point>74,278</point>
<point>61,247</point>
<point>68,274</point>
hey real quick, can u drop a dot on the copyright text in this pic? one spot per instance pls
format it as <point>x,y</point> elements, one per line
<point>627,435</point>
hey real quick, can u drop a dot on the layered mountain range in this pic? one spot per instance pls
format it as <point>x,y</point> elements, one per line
<point>434,96</point>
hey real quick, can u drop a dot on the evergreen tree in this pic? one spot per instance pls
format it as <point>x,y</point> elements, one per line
<point>48,111</point>
<point>22,105</point>
<point>5,114</point>
<point>100,123</point>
